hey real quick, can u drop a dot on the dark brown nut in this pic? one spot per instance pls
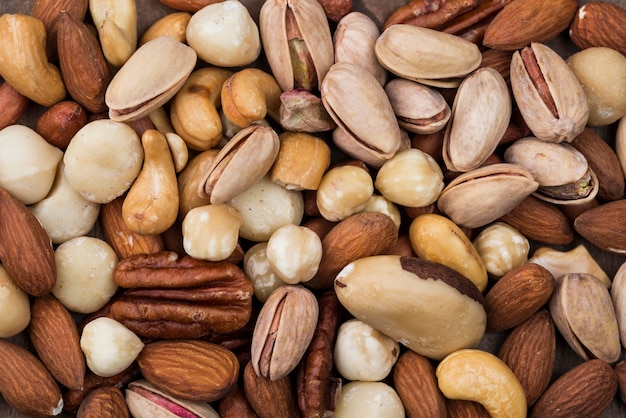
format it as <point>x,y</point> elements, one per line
<point>315,383</point>
<point>171,297</point>
<point>416,383</point>
<point>620,369</point>
<point>235,405</point>
<point>59,123</point>
<point>429,14</point>
<point>600,23</point>
<point>72,399</point>
<point>48,12</point>
<point>604,226</point>
<point>458,408</point>
<point>270,399</point>
<point>531,343</point>
<point>12,105</point>
<point>105,402</point>
<point>336,9</point>
<point>188,5</point>
<point>85,71</point>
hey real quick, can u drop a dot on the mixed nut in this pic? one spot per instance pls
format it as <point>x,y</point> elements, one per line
<point>307,208</point>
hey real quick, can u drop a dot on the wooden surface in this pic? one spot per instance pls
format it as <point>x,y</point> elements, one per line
<point>150,10</point>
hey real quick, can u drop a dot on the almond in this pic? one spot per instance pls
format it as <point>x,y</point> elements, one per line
<point>584,391</point>
<point>530,352</point>
<point>270,399</point>
<point>54,335</point>
<point>604,226</point>
<point>600,23</point>
<point>25,247</point>
<point>415,381</point>
<point>517,296</point>
<point>25,383</point>
<point>105,402</point>
<point>459,408</point>
<point>189,369</point>
<point>540,221</point>
<point>524,21</point>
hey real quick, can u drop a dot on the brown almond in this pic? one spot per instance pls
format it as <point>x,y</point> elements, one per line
<point>48,11</point>
<point>603,160</point>
<point>584,391</point>
<point>600,23</point>
<point>517,295</point>
<point>12,105</point>
<point>524,21</point>
<point>270,399</point>
<point>530,352</point>
<point>604,226</point>
<point>105,402</point>
<point>459,408</point>
<point>189,369</point>
<point>25,247</point>
<point>26,384</point>
<point>59,123</point>
<point>235,405</point>
<point>416,383</point>
<point>54,335</point>
<point>540,221</point>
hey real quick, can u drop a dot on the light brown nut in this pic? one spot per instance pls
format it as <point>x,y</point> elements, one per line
<point>436,238</point>
<point>269,398</point>
<point>297,42</point>
<point>554,111</point>
<point>578,259</point>
<point>529,21</point>
<point>583,312</point>
<point>618,289</point>
<point>116,23</point>
<point>189,180</point>
<point>502,248</point>
<point>106,402</point>
<point>415,381</point>
<point>189,369</point>
<point>471,374</point>
<point>144,401</point>
<point>157,70</point>
<point>188,5</point>
<point>25,250</point>
<point>15,308</point>
<point>249,95</point>
<point>303,111</point>
<point>283,331</point>
<point>587,389</point>
<point>599,23</point>
<point>172,24</point>
<point>517,296</point>
<point>23,60</point>
<point>343,191</point>
<point>530,352</point>
<point>258,270</point>
<point>383,291</point>
<point>25,384</point>
<point>54,335</point>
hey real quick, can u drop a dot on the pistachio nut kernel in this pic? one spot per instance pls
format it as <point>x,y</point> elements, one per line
<point>388,292</point>
<point>548,94</point>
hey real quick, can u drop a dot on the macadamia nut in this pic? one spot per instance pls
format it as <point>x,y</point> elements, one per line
<point>368,399</point>
<point>344,191</point>
<point>14,307</point>
<point>258,269</point>
<point>294,253</point>
<point>109,346</point>
<point>363,353</point>
<point>85,267</point>
<point>224,34</point>
<point>211,232</point>
<point>103,159</point>
<point>28,163</point>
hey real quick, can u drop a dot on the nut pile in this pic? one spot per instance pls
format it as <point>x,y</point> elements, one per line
<point>294,210</point>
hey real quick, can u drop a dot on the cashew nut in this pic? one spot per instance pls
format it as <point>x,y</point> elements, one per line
<point>194,111</point>
<point>249,95</point>
<point>577,260</point>
<point>151,205</point>
<point>116,23</point>
<point>24,63</point>
<point>173,24</point>
<point>479,376</point>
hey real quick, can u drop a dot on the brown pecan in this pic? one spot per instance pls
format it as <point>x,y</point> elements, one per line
<point>483,12</point>
<point>171,297</point>
<point>429,13</point>
<point>315,383</point>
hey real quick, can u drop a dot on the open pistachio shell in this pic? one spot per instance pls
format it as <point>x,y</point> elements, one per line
<point>480,116</point>
<point>426,55</point>
<point>242,162</point>
<point>361,108</point>
<point>146,401</point>
<point>482,195</point>
<point>150,77</point>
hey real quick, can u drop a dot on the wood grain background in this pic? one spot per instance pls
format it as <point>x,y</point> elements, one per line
<point>378,10</point>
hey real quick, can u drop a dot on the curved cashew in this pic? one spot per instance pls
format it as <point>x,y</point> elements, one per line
<point>249,95</point>
<point>173,24</point>
<point>194,111</point>
<point>151,205</point>
<point>24,63</point>
<point>178,147</point>
<point>480,376</point>
<point>577,260</point>
<point>116,22</point>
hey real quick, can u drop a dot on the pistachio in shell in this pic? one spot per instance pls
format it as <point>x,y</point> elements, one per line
<point>146,401</point>
<point>150,77</point>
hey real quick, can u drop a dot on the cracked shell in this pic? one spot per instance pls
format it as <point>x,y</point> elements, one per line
<point>150,77</point>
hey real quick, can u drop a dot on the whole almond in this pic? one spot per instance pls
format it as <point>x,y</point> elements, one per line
<point>12,105</point>
<point>189,369</point>
<point>600,23</point>
<point>517,295</point>
<point>235,405</point>
<point>25,247</point>
<point>584,391</point>
<point>524,21</point>
<point>604,226</point>
<point>26,384</point>
<point>48,11</point>
<point>54,335</point>
<point>270,398</point>
<point>530,352</point>
<point>459,408</point>
<point>105,402</point>
<point>415,381</point>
